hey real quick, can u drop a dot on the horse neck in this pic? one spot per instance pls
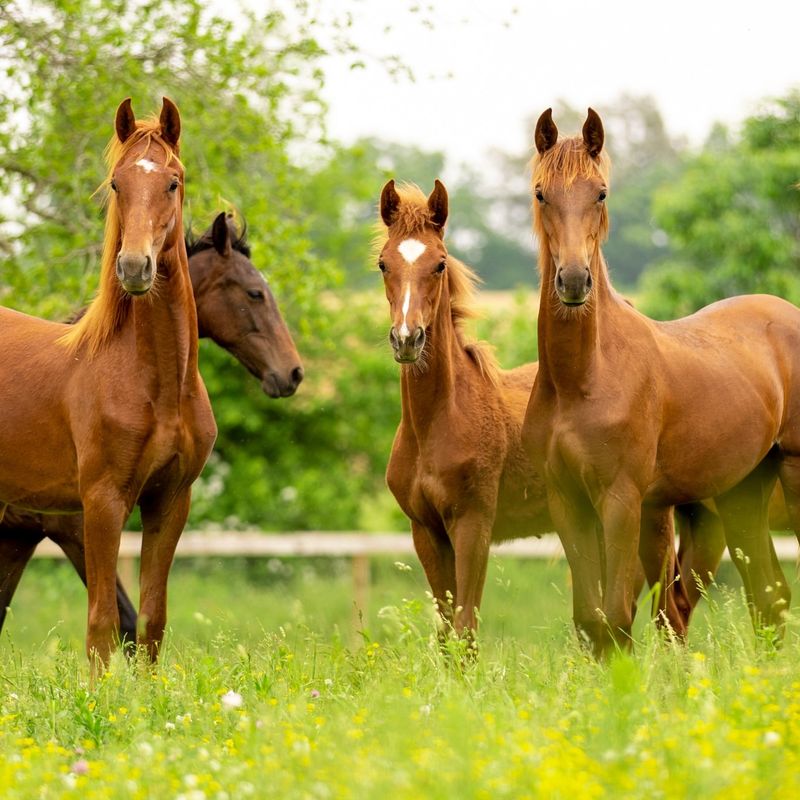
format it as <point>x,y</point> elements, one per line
<point>570,340</point>
<point>165,325</point>
<point>424,390</point>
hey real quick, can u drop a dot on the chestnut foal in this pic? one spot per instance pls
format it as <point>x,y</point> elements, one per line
<point>457,467</point>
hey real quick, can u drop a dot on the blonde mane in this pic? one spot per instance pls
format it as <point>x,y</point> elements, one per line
<point>566,161</point>
<point>413,215</point>
<point>109,310</point>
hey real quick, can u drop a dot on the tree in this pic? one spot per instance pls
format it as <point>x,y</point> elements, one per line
<point>734,218</point>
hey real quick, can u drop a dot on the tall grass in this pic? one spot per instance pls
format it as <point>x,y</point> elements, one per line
<point>262,691</point>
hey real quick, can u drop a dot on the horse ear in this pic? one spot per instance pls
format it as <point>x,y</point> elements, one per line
<point>437,204</point>
<point>125,121</point>
<point>390,203</point>
<point>220,235</point>
<point>593,135</point>
<point>546,132</point>
<point>170,120</point>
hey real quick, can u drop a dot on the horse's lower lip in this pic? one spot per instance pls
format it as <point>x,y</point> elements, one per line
<point>572,302</point>
<point>405,359</point>
<point>137,291</point>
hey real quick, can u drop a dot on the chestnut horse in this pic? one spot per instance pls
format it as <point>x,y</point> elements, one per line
<point>457,467</point>
<point>111,411</point>
<point>237,311</point>
<point>631,417</point>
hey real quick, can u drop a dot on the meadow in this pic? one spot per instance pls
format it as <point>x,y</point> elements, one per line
<point>265,690</point>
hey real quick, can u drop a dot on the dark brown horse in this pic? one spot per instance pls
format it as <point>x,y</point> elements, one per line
<point>235,309</point>
<point>457,468</point>
<point>112,412</point>
<point>631,417</point>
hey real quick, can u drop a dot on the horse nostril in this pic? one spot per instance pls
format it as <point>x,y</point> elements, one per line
<point>147,272</point>
<point>394,339</point>
<point>297,375</point>
<point>559,281</point>
<point>418,338</point>
<point>588,280</point>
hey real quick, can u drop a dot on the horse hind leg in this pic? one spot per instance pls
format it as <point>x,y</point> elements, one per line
<point>15,553</point>
<point>745,517</point>
<point>702,545</point>
<point>657,554</point>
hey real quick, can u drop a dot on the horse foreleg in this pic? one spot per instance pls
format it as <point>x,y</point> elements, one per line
<point>15,553</point>
<point>576,524</point>
<point>744,513</point>
<point>620,512</point>
<point>69,537</point>
<point>163,520</point>
<point>471,535</point>
<point>104,514</point>
<point>657,554</point>
<point>437,557</point>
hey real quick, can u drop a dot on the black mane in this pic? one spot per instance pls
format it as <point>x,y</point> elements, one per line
<point>196,244</point>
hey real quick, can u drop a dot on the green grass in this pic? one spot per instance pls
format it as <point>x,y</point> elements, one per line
<point>386,714</point>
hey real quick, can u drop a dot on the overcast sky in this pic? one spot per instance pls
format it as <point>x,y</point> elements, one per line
<point>702,60</point>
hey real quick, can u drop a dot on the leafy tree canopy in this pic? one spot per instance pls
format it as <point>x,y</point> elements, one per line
<point>733,219</point>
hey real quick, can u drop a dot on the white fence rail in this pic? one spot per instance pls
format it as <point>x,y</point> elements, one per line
<point>359,547</point>
<point>254,544</point>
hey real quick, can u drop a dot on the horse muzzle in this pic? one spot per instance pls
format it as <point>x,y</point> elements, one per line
<point>135,273</point>
<point>407,348</point>
<point>573,285</point>
<point>275,385</point>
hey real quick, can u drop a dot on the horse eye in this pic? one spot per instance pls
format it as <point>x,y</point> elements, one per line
<point>256,294</point>
<point>174,185</point>
<point>114,187</point>
<point>382,265</point>
<point>441,265</point>
<point>539,196</point>
<point>602,196</point>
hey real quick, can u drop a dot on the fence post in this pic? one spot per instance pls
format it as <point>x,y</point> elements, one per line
<point>360,567</point>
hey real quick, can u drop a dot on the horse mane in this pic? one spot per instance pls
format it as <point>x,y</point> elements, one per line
<point>567,160</point>
<point>109,310</point>
<point>196,244</point>
<point>413,215</point>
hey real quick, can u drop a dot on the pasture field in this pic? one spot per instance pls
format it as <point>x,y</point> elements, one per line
<point>263,691</point>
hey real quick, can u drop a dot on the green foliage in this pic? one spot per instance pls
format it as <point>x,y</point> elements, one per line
<point>734,218</point>
<point>313,461</point>
<point>245,96</point>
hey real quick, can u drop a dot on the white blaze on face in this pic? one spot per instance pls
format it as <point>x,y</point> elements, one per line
<point>147,165</point>
<point>406,301</point>
<point>411,249</point>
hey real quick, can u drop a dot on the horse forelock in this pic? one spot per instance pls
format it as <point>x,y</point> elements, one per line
<point>109,309</point>
<point>564,163</point>
<point>413,217</point>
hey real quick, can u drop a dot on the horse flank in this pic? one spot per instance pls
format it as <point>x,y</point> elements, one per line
<point>413,215</point>
<point>109,310</point>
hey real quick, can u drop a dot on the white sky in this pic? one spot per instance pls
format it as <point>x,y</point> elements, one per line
<point>703,60</point>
